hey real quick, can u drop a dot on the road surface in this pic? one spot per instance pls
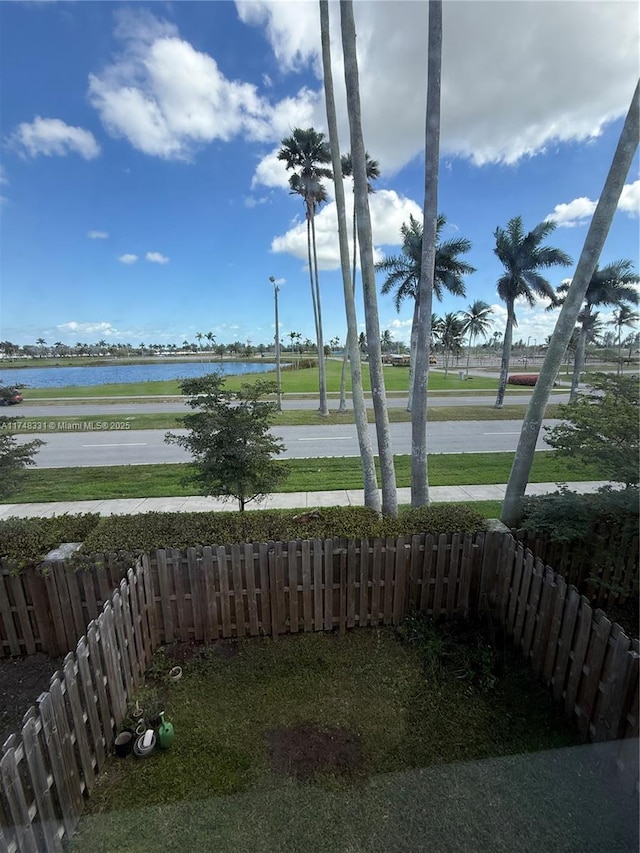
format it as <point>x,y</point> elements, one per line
<point>71,409</point>
<point>146,447</point>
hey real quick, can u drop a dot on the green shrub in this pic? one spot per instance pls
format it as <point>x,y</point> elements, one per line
<point>566,516</point>
<point>25,541</point>
<point>148,532</point>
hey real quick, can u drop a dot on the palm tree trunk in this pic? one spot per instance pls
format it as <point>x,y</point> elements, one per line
<point>343,377</point>
<point>506,357</point>
<point>619,371</point>
<point>322,378</point>
<point>310,259</point>
<point>413,348</point>
<point>595,240</point>
<point>363,218</point>
<point>578,364</point>
<point>469,353</point>
<point>371,493</point>
<point>419,463</point>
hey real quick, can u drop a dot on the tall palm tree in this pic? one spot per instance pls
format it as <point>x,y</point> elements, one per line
<point>373,171</point>
<point>367,459</point>
<point>363,217</point>
<point>623,317</point>
<point>593,244</point>
<point>611,285</point>
<point>199,337</point>
<point>476,323</point>
<point>450,334</point>
<point>419,459</point>
<point>523,256</point>
<point>306,151</point>
<point>403,275</point>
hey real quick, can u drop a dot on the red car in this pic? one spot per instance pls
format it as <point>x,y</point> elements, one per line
<point>10,396</point>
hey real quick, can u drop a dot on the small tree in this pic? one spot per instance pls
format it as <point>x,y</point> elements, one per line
<point>602,428</point>
<point>14,457</point>
<point>229,439</point>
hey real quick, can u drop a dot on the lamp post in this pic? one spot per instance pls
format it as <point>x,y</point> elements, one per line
<point>277,344</point>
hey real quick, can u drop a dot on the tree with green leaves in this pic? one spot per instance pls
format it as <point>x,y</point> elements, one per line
<point>601,428</point>
<point>611,286</point>
<point>523,256</point>
<point>572,303</point>
<point>624,317</point>
<point>476,323</point>
<point>307,153</point>
<point>14,457</point>
<point>403,275</point>
<point>450,334</point>
<point>229,439</point>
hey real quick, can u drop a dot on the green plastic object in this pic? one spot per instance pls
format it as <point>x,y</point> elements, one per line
<point>165,733</point>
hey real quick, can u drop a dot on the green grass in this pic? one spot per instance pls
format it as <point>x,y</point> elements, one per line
<point>325,474</point>
<point>288,417</point>
<point>437,759</point>
<point>293,382</point>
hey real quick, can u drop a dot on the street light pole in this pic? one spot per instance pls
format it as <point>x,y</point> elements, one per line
<point>277,345</point>
<point>526,353</point>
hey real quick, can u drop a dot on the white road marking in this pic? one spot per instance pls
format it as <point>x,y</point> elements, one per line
<point>501,433</point>
<point>130,444</point>
<point>329,438</point>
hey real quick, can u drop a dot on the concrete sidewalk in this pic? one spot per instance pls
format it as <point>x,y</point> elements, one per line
<point>282,500</point>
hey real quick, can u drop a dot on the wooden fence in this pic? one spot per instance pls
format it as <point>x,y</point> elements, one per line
<point>48,769</point>
<point>612,579</point>
<point>203,594</point>
<point>47,609</point>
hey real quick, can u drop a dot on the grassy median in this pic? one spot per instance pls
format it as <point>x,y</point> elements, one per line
<point>305,475</point>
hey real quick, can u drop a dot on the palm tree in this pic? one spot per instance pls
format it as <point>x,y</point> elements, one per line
<point>419,461</point>
<point>403,275</point>
<point>199,337</point>
<point>386,340</point>
<point>624,316</point>
<point>370,482</point>
<point>450,332</point>
<point>306,151</point>
<point>373,171</point>
<point>593,244</point>
<point>523,256</point>
<point>365,239</point>
<point>476,323</point>
<point>611,285</point>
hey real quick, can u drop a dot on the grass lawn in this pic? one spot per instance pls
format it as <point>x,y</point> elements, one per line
<point>305,475</point>
<point>293,382</point>
<point>289,417</point>
<point>432,764</point>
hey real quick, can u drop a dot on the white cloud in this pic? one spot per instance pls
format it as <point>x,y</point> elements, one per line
<point>103,329</point>
<point>156,258</point>
<point>128,258</point>
<point>576,212</point>
<point>630,198</point>
<point>516,77</point>
<point>52,137</point>
<point>251,201</point>
<point>580,210</point>
<point>97,235</point>
<point>388,211</point>
<point>167,98</point>
<point>3,175</point>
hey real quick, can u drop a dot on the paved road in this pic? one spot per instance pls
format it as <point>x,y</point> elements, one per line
<point>34,411</point>
<point>134,447</point>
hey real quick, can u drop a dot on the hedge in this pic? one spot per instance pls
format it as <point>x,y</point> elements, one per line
<point>528,379</point>
<point>135,534</point>
<point>27,540</point>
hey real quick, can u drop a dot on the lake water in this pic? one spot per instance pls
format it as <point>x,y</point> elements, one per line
<point>61,377</point>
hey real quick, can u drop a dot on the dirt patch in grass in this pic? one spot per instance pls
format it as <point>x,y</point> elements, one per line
<point>22,680</point>
<point>306,750</point>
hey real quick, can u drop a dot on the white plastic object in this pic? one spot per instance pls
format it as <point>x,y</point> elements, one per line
<point>148,737</point>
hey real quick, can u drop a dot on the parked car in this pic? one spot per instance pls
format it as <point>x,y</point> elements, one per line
<point>10,396</point>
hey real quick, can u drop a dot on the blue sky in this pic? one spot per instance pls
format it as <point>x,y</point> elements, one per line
<point>142,200</point>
